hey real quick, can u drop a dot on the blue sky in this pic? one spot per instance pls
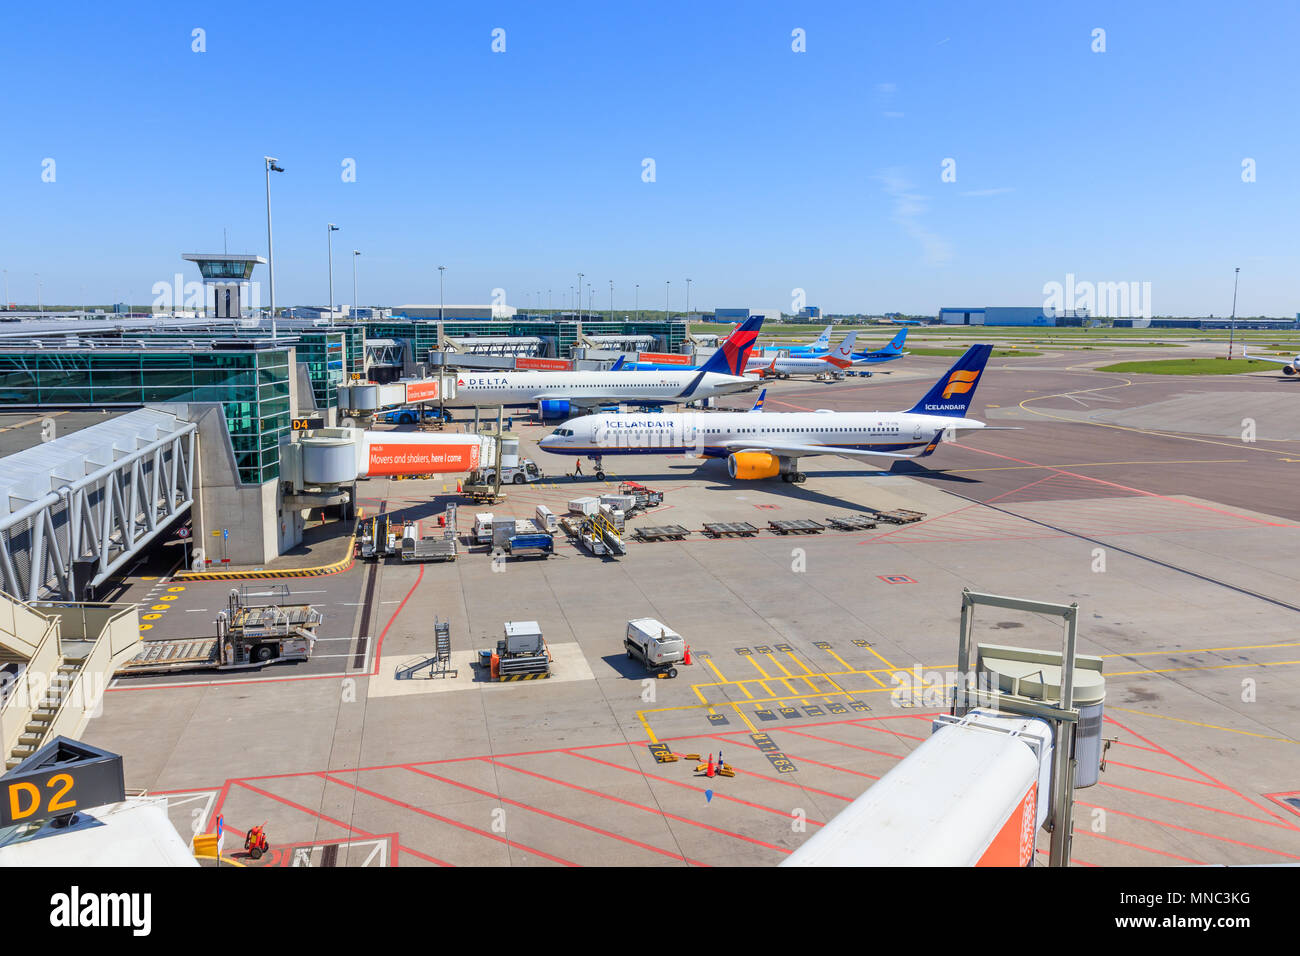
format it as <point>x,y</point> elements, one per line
<point>774,169</point>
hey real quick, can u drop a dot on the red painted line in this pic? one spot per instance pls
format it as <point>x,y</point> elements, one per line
<point>1175,826</point>
<point>496,762</point>
<point>1136,491</point>
<point>379,644</point>
<point>397,847</point>
<point>1150,750</point>
<point>687,786</point>
<point>1199,806</point>
<point>892,733</point>
<point>1287,823</point>
<point>831,740</point>
<point>792,783</point>
<point>556,816</point>
<point>1173,776</point>
<point>434,816</point>
<point>802,759</point>
<point>1138,846</point>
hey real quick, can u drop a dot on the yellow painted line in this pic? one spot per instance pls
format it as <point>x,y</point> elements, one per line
<point>1197,723</point>
<point>1101,464</point>
<point>1208,667</point>
<point>892,668</point>
<point>766,675</point>
<point>713,667</point>
<point>788,674</point>
<point>1239,446</point>
<point>1204,650</point>
<point>32,421</point>
<point>741,714</point>
<point>645,724</point>
<point>811,672</point>
<point>149,577</point>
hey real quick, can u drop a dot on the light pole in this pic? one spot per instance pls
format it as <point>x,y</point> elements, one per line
<point>667,316</point>
<point>330,229</point>
<point>271,167</point>
<point>636,302</point>
<point>1232,329</point>
<point>442,274</point>
<point>6,302</point>
<point>39,307</point>
<point>548,302</point>
<point>688,300</point>
<point>571,301</point>
<point>355,254</point>
<point>611,300</point>
<point>579,300</point>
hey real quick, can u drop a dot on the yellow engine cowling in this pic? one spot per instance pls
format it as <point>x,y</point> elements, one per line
<point>749,465</point>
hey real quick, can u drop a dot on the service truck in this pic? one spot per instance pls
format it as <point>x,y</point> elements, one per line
<point>656,645</point>
<point>525,471</point>
<point>247,635</point>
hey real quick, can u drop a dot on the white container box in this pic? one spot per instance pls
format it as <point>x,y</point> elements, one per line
<point>584,506</point>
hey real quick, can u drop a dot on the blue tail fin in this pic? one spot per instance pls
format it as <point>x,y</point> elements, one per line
<point>732,356</point>
<point>619,364</point>
<point>952,394</point>
<point>896,344</point>
<point>758,405</point>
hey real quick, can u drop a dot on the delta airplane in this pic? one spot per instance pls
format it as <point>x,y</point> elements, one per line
<point>758,444</point>
<point>834,362</point>
<point>1290,366</point>
<point>560,394</point>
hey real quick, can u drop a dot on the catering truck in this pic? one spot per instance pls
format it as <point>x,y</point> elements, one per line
<point>656,645</point>
<point>974,793</point>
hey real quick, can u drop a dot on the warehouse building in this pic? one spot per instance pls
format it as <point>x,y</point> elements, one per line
<point>1032,315</point>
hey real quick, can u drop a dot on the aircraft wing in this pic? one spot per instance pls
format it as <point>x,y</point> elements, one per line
<point>795,450</point>
<point>1268,358</point>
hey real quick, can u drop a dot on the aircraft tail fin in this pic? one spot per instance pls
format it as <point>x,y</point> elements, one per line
<point>732,356</point>
<point>953,393</point>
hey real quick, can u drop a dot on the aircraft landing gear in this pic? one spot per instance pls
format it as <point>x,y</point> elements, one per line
<point>796,478</point>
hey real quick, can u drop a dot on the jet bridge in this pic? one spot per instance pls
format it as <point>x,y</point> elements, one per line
<point>75,509</point>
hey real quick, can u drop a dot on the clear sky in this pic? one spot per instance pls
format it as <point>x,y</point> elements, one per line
<point>774,170</point>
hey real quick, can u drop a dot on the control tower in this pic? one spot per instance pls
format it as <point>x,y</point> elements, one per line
<point>228,277</point>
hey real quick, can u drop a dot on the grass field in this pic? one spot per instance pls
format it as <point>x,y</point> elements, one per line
<point>1209,366</point>
<point>997,353</point>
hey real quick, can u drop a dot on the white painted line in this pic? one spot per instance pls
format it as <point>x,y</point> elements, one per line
<point>197,610</point>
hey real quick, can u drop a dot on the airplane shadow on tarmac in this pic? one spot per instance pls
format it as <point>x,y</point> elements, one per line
<point>716,471</point>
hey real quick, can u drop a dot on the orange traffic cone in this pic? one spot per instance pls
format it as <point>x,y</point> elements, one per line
<point>710,771</point>
<point>687,658</point>
<point>459,489</point>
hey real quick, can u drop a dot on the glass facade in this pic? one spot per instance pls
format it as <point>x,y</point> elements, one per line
<point>564,334</point>
<point>251,385</point>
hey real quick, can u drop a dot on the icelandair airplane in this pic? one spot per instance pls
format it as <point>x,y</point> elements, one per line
<point>1290,366</point>
<point>759,444</point>
<point>559,394</point>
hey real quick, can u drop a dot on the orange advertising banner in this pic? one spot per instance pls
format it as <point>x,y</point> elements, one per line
<point>421,391</point>
<point>544,364</point>
<point>400,458</point>
<point>664,358</point>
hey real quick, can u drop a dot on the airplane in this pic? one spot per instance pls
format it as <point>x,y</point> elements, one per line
<point>741,339</point>
<point>768,444</point>
<point>560,394</point>
<point>833,362</point>
<point>820,346</point>
<point>1290,366</point>
<point>893,350</point>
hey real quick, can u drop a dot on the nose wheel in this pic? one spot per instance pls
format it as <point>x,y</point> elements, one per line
<point>797,478</point>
